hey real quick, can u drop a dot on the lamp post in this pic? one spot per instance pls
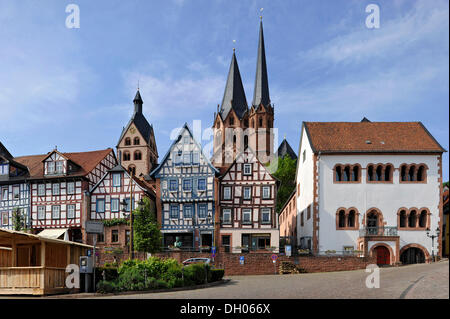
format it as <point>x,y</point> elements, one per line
<point>432,241</point>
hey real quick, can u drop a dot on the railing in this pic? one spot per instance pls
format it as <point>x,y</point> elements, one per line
<point>378,231</point>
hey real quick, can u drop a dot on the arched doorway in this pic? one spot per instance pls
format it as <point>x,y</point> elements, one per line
<point>383,255</point>
<point>412,255</point>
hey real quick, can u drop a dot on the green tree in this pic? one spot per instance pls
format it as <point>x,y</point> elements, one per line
<point>285,173</point>
<point>147,234</point>
<point>18,220</point>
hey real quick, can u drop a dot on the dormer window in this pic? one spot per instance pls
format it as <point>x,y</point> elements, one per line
<point>59,167</point>
<point>51,168</point>
<point>247,169</point>
<point>4,169</point>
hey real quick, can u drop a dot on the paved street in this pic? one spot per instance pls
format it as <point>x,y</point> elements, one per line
<point>409,282</point>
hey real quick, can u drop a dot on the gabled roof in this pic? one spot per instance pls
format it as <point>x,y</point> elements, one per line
<point>261,90</point>
<point>371,137</point>
<point>234,95</point>
<point>4,151</point>
<point>185,127</point>
<point>87,161</point>
<point>286,149</point>
<point>139,121</point>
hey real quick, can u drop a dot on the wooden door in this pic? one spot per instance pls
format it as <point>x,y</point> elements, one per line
<point>383,255</point>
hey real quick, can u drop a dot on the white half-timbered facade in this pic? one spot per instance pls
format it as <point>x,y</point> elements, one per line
<point>186,186</point>
<point>14,191</point>
<point>248,220</point>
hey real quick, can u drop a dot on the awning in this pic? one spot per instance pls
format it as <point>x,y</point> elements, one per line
<point>55,233</point>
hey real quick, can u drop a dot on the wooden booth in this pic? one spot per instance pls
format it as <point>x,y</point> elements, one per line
<point>36,265</point>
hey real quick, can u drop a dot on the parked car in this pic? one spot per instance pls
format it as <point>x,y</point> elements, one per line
<point>196,261</point>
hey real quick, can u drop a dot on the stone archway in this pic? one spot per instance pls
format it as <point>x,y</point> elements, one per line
<point>414,254</point>
<point>384,253</point>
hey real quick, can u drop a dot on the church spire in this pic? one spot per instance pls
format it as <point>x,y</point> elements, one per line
<point>261,91</point>
<point>234,95</point>
<point>138,103</point>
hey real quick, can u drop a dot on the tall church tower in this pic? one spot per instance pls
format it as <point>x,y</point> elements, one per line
<point>136,149</point>
<point>236,126</point>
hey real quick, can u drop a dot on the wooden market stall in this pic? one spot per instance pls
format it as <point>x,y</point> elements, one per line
<point>36,265</point>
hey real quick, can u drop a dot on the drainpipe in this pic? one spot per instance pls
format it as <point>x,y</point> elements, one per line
<point>318,199</point>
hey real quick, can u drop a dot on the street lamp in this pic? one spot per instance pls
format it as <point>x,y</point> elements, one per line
<point>432,241</point>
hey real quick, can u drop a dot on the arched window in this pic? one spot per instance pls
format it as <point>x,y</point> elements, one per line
<point>260,122</point>
<point>411,174</point>
<point>132,170</point>
<point>421,173</point>
<point>126,156</point>
<point>412,219</point>
<point>370,173</point>
<point>245,142</point>
<point>136,141</point>
<point>402,219</point>
<point>137,155</point>
<point>387,173</point>
<point>379,174</point>
<point>355,173</point>
<point>231,120</point>
<point>127,141</point>
<point>423,219</point>
<point>346,174</point>
<point>403,173</point>
<point>341,218</point>
<point>351,218</point>
<point>338,173</point>
<point>246,122</point>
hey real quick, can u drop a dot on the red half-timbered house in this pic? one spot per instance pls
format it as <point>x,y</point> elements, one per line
<point>248,220</point>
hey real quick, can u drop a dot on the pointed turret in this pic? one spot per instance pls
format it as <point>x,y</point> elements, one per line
<point>138,103</point>
<point>234,96</point>
<point>261,91</point>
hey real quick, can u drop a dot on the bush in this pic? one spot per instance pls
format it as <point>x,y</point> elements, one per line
<point>217,274</point>
<point>196,273</point>
<point>105,287</point>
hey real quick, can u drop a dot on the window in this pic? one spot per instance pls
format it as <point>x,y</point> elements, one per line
<point>202,211</point>
<point>187,158</point>
<point>201,184</point>
<point>16,192</point>
<point>59,167</point>
<point>351,219</point>
<point>226,216</point>
<point>5,193</point>
<point>115,205</point>
<point>41,212</point>
<point>127,201</point>
<point>55,189</point>
<point>304,156</point>
<point>116,179</point>
<point>412,219</point>
<point>5,218</point>
<point>70,211</point>
<point>132,170</point>
<point>126,156</point>
<point>226,240</point>
<point>247,192</point>
<point>41,190</point>
<point>402,218</point>
<point>174,211</point>
<point>302,219</point>
<point>246,216</point>
<point>127,237</point>
<point>137,155</point>
<point>423,219</point>
<point>187,211</point>
<point>231,120</point>
<point>186,140</point>
<point>70,188</point>
<point>266,192</point>
<point>227,192</point>
<point>100,208</point>
<point>173,185</point>
<point>421,174</point>
<point>413,173</point>
<point>56,210</point>
<point>178,156</point>
<point>308,212</point>
<point>247,169</point>
<point>115,236</point>
<point>127,141</point>
<point>341,218</point>
<point>196,158</point>
<point>347,173</point>
<point>265,215</point>
<point>50,167</point>
<point>187,185</point>
<point>136,141</point>
<point>4,169</point>
<point>100,238</point>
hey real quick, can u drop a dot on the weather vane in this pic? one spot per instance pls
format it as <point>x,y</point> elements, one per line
<point>234,45</point>
<point>261,11</point>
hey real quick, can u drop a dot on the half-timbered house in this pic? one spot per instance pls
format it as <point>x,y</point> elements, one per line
<point>185,186</point>
<point>59,186</point>
<point>110,201</point>
<point>14,190</point>
<point>248,220</point>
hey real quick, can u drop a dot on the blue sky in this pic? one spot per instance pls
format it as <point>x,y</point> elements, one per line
<point>74,87</point>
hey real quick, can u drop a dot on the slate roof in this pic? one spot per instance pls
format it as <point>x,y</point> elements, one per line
<point>286,149</point>
<point>139,120</point>
<point>371,137</point>
<point>261,90</point>
<point>234,95</point>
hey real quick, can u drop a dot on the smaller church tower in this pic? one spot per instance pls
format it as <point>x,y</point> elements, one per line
<point>136,149</point>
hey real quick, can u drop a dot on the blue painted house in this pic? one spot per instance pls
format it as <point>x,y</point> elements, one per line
<point>186,185</point>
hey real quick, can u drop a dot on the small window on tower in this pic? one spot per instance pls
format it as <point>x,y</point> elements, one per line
<point>127,141</point>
